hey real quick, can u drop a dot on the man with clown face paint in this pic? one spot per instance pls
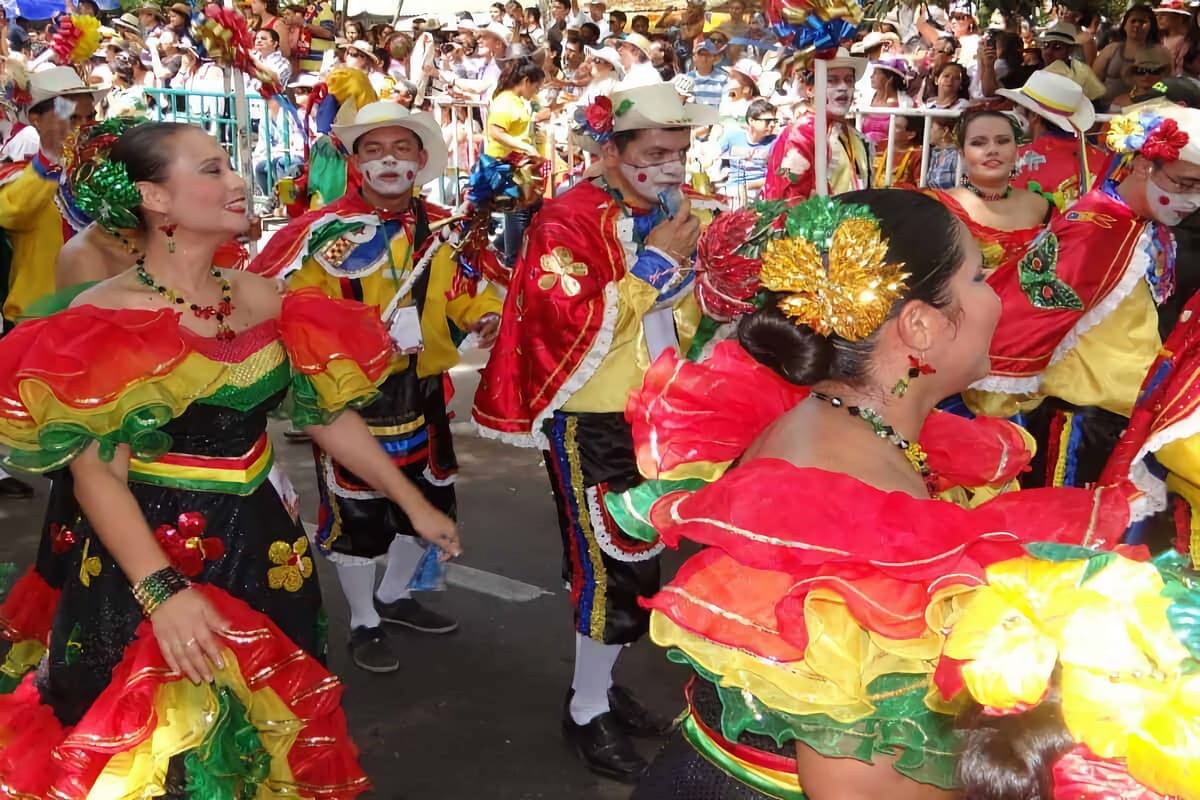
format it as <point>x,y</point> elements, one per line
<point>1080,325</point>
<point>603,286</point>
<point>377,245</point>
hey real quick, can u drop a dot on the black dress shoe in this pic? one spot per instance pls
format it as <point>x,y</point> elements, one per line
<point>15,489</point>
<point>635,718</point>
<point>604,748</point>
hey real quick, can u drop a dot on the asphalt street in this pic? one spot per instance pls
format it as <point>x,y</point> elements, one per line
<point>475,714</point>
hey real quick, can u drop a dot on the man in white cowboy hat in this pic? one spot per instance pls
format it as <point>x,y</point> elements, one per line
<point>603,285</point>
<point>378,245</point>
<point>791,171</point>
<point>1058,114</point>
<point>1058,43</point>
<point>1079,326</point>
<point>60,103</point>
<point>634,50</point>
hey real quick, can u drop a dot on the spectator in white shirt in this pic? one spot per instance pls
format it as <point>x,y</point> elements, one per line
<point>266,52</point>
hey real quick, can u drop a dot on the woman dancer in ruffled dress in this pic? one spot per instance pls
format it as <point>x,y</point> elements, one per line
<point>816,619</point>
<point>184,659</point>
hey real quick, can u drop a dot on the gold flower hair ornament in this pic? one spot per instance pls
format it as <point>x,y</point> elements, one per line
<point>832,267</point>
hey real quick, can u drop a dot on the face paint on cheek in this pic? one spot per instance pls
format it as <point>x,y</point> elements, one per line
<point>1170,208</point>
<point>388,176</point>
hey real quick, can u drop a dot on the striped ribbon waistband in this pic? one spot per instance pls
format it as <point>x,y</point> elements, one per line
<point>240,475</point>
<point>770,773</point>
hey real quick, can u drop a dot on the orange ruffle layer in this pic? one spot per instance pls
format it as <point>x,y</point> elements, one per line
<point>38,758</point>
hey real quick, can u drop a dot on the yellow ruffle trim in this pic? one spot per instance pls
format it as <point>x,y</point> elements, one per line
<point>1124,693</point>
<point>841,660</point>
<point>343,384</point>
<point>195,377</point>
<point>185,714</point>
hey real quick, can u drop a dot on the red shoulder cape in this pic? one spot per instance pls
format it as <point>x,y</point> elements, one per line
<point>559,315</point>
<point>1097,257</point>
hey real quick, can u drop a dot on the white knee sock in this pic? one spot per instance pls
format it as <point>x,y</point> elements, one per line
<point>594,662</point>
<point>404,555</point>
<point>358,583</point>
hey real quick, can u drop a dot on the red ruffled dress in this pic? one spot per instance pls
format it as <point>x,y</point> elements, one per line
<point>102,715</point>
<point>818,609</point>
<point>999,247</point>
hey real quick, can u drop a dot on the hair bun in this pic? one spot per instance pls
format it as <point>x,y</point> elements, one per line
<point>797,352</point>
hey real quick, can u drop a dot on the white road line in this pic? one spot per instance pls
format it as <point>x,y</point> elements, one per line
<point>477,580</point>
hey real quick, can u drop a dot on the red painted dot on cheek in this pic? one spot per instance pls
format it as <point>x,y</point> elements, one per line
<point>641,176</point>
<point>410,174</point>
<point>1164,201</point>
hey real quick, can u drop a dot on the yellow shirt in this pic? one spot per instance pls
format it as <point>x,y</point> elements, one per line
<point>379,287</point>
<point>35,228</point>
<point>515,116</point>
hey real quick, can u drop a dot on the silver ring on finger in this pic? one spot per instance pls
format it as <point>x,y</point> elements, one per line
<point>190,642</point>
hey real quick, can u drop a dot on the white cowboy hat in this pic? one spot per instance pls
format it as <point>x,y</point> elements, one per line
<point>748,68</point>
<point>843,60</point>
<point>656,105</point>
<point>638,41</point>
<point>58,82</point>
<point>1056,99</point>
<point>876,38</point>
<point>390,114</point>
<point>1060,31</point>
<point>606,54</point>
<point>499,30</point>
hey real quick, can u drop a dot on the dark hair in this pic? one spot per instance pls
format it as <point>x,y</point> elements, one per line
<point>1154,37</point>
<point>758,106</point>
<point>637,17</point>
<point>144,151</point>
<point>622,138</point>
<point>618,14</point>
<point>41,107</point>
<point>964,122</point>
<point>498,6</point>
<point>590,26</point>
<point>273,34</point>
<point>964,83</point>
<point>916,125</point>
<point>1012,757</point>
<point>931,253</point>
<point>92,3</point>
<point>517,71</point>
<point>535,12</point>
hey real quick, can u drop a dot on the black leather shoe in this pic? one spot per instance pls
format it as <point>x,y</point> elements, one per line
<point>635,718</point>
<point>604,747</point>
<point>369,649</point>
<point>15,489</point>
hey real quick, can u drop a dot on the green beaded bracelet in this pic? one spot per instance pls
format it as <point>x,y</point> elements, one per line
<point>154,589</point>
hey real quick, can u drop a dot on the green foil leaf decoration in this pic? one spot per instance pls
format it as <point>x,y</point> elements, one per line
<point>817,218</point>
<point>231,763</point>
<point>107,194</point>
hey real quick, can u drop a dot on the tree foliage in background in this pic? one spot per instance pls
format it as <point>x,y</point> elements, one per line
<point>1030,9</point>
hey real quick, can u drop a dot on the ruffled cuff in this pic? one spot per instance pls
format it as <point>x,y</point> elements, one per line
<point>340,353</point>
<point>91,374</point>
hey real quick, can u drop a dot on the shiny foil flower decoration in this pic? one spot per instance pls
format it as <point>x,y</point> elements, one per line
<point>292,565</point>
<point>848,291</point>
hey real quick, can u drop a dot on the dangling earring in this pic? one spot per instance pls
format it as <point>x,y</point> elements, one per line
<point>916,368</point>
<point>963,180</point>
<point>1016,170</point>
<point>169,230</point>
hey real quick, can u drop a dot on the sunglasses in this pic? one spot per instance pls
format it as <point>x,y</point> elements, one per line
<point>356,53</point>
<point>768,120</point>
<point>1149,70</point>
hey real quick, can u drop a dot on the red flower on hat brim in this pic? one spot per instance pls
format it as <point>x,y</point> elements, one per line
<point>1165,142</point>
<point>599,115</point>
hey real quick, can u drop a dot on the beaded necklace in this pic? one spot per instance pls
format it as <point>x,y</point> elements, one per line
<point>912,451</point>
<point>982,195</point>
<point>219,312</point>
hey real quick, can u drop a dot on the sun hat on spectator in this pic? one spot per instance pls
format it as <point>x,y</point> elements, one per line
<point>606,54</point>
<point>1056,99</point>
<point>58,82</point>
<point>1061,32</point>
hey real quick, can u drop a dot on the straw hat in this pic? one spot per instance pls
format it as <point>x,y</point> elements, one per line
<point>365,48</point>
<point>656,105</point>
<point>1173,7</point>
<point>844,60</point>
<point>638,41</point>
<point>1062,32</point>
<point>1056,99</point>
<point>389,114</point>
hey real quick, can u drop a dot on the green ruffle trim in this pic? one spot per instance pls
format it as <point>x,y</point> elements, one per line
<point>304,406</point>
<point>231,763</point>
<point>55,302</point>
<point>923,742</point>
<point>631,509</point>
<point>244,398</point>
<point>62,441</point>
<point>326,171</point>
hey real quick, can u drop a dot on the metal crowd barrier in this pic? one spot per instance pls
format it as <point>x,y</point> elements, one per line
<point>892,112</point>
<point>214,112</point>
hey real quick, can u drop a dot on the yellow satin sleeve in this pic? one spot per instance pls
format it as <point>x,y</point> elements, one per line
<point>1108,365</point>
<point>625,364</point>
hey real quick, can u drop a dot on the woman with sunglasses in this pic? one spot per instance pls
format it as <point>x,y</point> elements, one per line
<point>1141,76</point>
<point>1138,33</point>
